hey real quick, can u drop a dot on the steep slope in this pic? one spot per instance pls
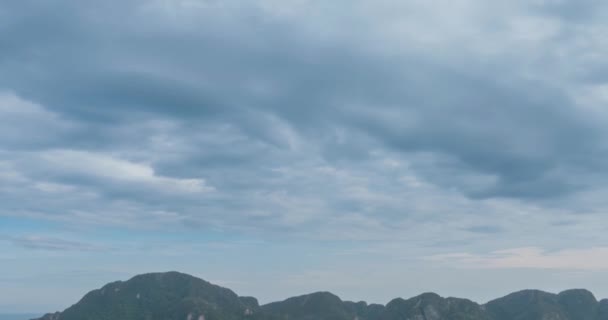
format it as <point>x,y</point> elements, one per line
<point>160,296</point>
<point>321,306</point>
<point>602,310</point>
<point>430,306</point>
<point>526,305</point>
<point>578,304</point>
<point>575,304</point>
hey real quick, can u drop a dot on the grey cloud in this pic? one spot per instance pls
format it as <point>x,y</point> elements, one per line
<point>489,229</point>
<point>496,123</point>
<point>331,131</point>
<point>577,12</point>
<point>256,106</point>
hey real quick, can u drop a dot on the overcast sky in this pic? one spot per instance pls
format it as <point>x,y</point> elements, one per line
<point>374,149</point>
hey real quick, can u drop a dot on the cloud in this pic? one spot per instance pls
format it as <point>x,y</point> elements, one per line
<point>531,257</point>
<point>488,121</point>
<point>18,114</point>
<point>178,113</point>
<point>371,131</point>
<point>106,167</point>
<point>51,243</point>
<point>485,229</point>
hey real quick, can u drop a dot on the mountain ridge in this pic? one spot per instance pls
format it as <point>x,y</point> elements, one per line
<point>178,296</point>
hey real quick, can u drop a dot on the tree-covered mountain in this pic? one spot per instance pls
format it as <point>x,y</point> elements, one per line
<point>170,295</point>
<point>533,304</point>
<point>177,296</point>
<point>429,306</point>
<point>321,306</point>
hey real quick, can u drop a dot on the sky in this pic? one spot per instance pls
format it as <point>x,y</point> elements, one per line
<point>374,149</point>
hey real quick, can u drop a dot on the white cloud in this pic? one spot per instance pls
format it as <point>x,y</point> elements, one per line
<point>11,104</point>
<point>113,168</point>
<point>24,124</point>
<point>53,187</point>
<point>9,174</point>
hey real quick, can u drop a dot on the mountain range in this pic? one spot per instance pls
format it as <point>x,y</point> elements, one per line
<point>178,296</point>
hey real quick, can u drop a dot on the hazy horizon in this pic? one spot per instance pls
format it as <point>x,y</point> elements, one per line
<point>373,149</point>
<point>19,316</point>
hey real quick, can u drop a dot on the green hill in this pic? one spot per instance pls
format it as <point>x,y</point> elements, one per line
<point>533,304</point>
<point>160,296</point>
<point>178,296</point>
<point>321,306</point>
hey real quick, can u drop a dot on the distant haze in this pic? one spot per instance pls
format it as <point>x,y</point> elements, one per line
<point>20,316</point>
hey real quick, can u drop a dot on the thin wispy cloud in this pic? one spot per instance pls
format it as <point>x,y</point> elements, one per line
<point>532,258</point>
<point>44,243</point>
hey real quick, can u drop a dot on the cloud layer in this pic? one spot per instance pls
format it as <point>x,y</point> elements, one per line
<point>424,129</point>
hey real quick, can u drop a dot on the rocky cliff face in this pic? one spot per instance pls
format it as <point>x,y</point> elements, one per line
<point>177,296</point>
